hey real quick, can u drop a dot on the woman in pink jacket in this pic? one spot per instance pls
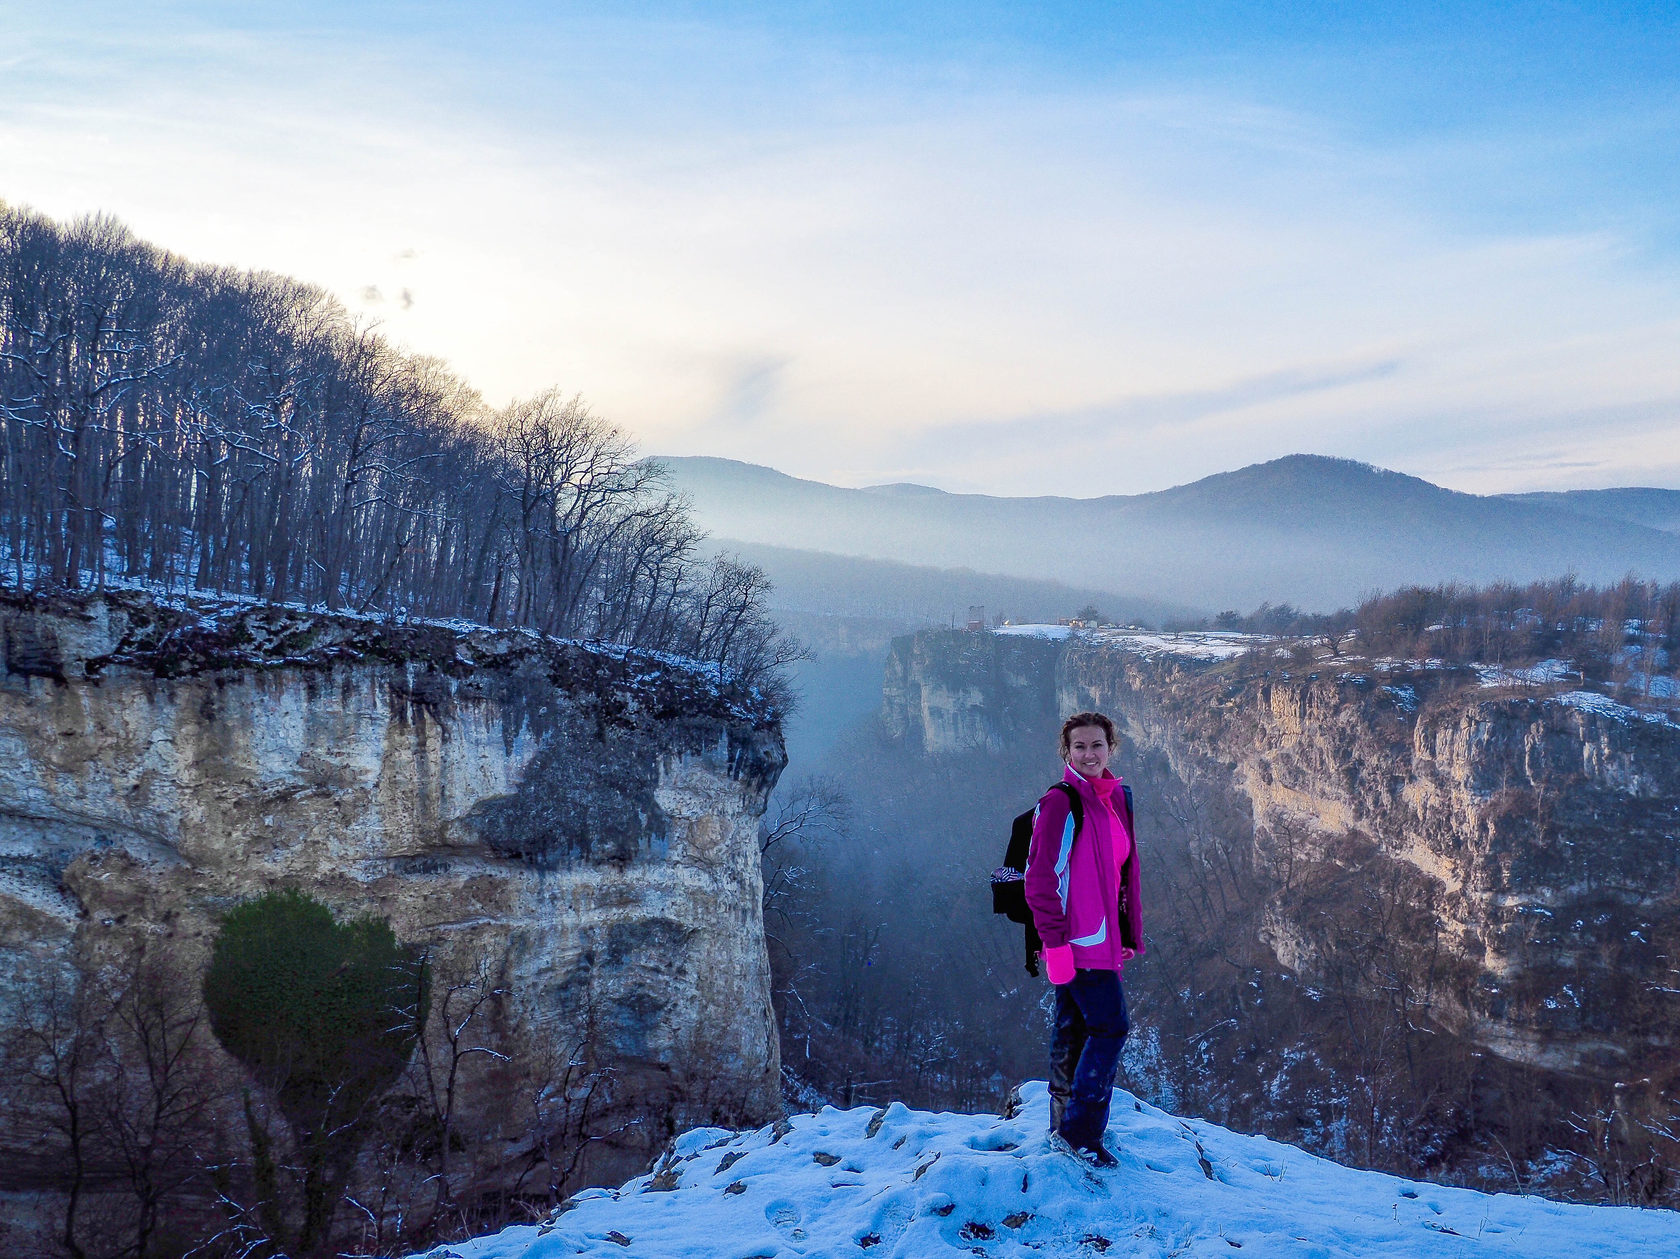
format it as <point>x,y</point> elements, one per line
<point>1082,887</point>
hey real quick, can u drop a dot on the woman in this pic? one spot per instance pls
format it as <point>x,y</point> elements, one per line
<point>1082,887</point>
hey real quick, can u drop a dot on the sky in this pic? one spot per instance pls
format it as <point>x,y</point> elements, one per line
<point>1017,248</point>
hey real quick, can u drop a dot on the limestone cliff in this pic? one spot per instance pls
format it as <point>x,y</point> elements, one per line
<point>955,692</point>
<point>580,822</point>
<point>1542,839</point>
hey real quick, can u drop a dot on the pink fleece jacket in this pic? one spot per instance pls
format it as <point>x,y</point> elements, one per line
<point>1084,892</point>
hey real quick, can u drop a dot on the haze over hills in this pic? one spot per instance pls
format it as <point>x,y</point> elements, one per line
<point>826,583</point>
<point>846,610</point>
<point>1306,529</point>
<point>1659,509</point>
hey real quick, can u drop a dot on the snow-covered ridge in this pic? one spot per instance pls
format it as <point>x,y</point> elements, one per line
<point>1191,644</point>
<point>901,1182</point>
<point>1604,706</point>
<point>1054,632</point>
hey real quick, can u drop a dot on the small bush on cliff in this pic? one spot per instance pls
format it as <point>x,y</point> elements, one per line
<point>325,1014</point>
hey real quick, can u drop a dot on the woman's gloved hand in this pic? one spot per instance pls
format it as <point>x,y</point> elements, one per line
<point>1058,963</point>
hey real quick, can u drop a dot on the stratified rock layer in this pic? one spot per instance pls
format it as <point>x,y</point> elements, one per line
<point>580,824</point>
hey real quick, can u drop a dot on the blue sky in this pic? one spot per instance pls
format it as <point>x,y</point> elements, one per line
<point>1050,248</point>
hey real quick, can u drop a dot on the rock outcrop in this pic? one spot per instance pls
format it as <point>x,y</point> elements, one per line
<point>578,824</point>
<point>957,692</point>
<point>1541,838</point>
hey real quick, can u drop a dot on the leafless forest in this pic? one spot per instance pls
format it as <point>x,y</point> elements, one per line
<point>206,429</point>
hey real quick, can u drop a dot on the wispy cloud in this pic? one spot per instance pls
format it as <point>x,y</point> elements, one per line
<point>1118,420</point>
<point>740,245</point>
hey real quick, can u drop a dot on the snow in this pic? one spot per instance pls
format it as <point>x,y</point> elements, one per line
<point>1395,664</point>
<point>1604,706</point>
<point>1405,697</point>
<point>901,1182</point>
<point>1660,686</point>
<point>1546,671</point>
<point>1194,645</point>
<point>1035,631</point>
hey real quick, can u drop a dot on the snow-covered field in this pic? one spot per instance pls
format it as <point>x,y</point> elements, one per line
<point>900,1182</point>
<point>1541,674</point>
<point>1035,631</point>
<point>1195,644</point>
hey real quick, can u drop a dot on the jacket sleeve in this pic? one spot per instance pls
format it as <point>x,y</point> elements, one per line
<point>1131,902</point>
<point>1043,898</point>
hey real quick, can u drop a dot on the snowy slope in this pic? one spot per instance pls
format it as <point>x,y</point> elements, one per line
<point>900,1182</point>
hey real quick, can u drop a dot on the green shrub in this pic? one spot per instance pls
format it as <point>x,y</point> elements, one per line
<point>325,1014</point>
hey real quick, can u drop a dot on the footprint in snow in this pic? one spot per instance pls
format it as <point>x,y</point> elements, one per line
<point>784,1217</point>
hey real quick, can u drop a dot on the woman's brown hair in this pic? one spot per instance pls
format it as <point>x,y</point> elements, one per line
<point>1086,719</point>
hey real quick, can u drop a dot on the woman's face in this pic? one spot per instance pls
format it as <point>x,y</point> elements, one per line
<point>1088,750</point>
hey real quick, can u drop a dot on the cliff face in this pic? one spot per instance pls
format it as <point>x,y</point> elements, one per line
<point>1531,845</point>
<point>578,825</point>
<point>957,692</point>
<point>1514,855</point>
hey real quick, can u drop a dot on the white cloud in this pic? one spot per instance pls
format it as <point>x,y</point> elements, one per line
<point>1081,293</point>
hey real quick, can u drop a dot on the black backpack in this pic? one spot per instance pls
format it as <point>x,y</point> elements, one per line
<point>1009,890</point>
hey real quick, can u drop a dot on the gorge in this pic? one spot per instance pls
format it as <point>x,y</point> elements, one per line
<point>1392,903</point>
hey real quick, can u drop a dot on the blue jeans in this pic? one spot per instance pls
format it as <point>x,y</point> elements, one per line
<point>1085,1042</point>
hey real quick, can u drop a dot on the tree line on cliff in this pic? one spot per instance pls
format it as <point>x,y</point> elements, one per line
<point>1627,633</point>
<point>205,429</point>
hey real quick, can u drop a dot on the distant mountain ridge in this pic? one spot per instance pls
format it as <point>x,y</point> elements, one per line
<point>1306,529</point>
<point>1640,505</point>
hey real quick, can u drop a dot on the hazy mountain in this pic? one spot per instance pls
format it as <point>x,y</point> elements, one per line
<point>1656,509</point>
<point>1309,530</point>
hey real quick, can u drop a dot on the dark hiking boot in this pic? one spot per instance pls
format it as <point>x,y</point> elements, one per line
<point>1097,1156</point>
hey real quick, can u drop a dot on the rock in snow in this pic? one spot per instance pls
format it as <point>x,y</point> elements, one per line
<point>901,1182</point>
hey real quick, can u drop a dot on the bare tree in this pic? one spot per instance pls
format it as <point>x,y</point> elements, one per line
<point>460,1035</point>
<point>216,431</point>
<point>58,1048</point>
<point>157,1114</point>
